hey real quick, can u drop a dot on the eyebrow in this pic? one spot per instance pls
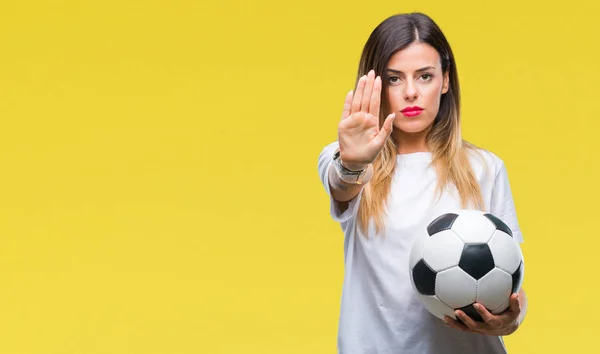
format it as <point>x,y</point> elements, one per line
<point>420,70</point>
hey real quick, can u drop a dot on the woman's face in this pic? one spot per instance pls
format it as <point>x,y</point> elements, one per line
<point>414,87</point>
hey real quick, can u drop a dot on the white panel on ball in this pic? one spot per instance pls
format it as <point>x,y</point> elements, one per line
<point>493,290</point>
<point>416,253</point>
<point>501,308</point>
<point>443,263</point>
<point>436,307</point>
<point>443,250</point>
<point>472,227</point>
<point>506,251</point>
<point>455,287</point>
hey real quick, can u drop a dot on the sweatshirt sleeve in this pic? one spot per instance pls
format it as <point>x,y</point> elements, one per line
<point>325,164</point>
<point>502,203</point>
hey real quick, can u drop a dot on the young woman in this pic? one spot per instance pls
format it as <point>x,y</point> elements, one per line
<point>398,163</point>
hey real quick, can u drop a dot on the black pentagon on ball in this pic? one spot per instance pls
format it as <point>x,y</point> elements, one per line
<point>517,277</point>
<point>500,225</point>
<point>441,223</point>
<point>476,260</point>
<point>424,278</point>
<point>470,311</point>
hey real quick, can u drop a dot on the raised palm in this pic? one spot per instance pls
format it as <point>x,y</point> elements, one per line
<point>359,135</point>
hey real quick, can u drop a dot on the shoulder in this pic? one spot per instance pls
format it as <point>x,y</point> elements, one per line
<point>483,160</point>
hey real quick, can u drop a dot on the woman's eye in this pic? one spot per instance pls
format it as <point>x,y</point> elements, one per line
<point>426,77</point>
<point>393,79</point>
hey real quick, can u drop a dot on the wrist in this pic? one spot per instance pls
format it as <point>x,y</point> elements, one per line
<point>353,167</point>
<point>350,166</point>
<point>352,174</point>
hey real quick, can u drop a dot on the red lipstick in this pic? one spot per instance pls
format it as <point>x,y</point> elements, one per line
<point>412,111</point>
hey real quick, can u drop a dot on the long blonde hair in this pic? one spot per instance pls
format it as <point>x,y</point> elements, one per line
<point>450,153</point>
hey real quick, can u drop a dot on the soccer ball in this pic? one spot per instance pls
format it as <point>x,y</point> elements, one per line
<point>466,257</point>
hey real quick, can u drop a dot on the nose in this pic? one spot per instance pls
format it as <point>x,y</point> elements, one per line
<point>410,93</point>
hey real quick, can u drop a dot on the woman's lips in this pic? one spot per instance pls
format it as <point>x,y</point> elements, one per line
<point>411,111</point>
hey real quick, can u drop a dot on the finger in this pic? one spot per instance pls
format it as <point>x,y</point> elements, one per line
<point>376,97</point>
<point>468,321</point>
<point>366,97</point>
<point>491,320</point>
<point>386,130</point>
<point>515,306</point>
<point>358,94</point>
<point>452,323</point>
<point>347,105</point>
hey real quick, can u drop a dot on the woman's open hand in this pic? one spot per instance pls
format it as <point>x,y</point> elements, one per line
<point>359,136</point>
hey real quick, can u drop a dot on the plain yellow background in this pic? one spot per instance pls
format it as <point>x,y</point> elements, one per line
<point>159,189</point>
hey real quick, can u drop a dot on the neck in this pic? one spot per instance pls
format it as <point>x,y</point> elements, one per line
<point>411,142</point>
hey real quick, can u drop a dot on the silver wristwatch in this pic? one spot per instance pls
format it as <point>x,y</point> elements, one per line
<point>346,175</point>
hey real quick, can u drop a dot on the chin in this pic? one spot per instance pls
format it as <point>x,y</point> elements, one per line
<point>412,127</point>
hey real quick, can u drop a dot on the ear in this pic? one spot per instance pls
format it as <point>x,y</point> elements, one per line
<point>446,84</point>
